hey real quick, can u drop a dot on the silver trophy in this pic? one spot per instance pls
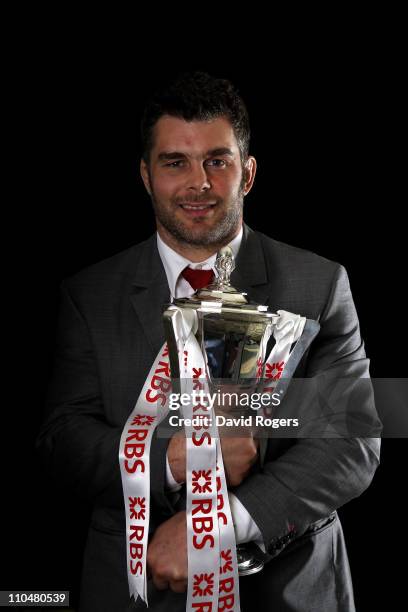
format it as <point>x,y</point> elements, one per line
<point>233,333</point>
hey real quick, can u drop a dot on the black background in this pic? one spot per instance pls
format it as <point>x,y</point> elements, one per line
<point>325,121</point>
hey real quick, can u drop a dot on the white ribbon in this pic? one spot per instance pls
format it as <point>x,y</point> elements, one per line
<point>134,453</point>
<point>213,582</point>
<point>287,331</point>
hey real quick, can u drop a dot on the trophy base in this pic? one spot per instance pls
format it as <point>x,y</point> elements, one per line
<point>247,563</point>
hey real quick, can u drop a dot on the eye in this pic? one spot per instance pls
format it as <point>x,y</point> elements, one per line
<point>174,164</point>
<point>218,163</point>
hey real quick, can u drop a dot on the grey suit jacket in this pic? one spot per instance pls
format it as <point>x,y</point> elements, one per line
<point>109,332</point>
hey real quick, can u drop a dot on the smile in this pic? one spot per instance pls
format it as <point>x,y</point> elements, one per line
<point>196,206</point>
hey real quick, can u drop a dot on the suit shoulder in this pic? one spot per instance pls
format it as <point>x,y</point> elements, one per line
<point>297,258</point>
<point>107,270</point>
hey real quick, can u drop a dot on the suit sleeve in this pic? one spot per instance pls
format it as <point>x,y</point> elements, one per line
<point>314,476</point>
<point>78,446</point>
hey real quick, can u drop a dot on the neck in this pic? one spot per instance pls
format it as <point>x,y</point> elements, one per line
<point>194,253</point>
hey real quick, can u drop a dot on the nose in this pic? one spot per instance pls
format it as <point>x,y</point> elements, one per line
<point>197,178</point>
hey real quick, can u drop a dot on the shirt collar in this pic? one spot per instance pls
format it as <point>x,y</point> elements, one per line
<point>174,263</point>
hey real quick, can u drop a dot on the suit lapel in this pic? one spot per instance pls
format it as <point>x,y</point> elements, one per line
<point>250,272</point>
<point>150,292</point>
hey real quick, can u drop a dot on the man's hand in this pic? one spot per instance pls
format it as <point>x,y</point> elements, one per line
<point>176,454</point>
<point>167,554</point>
<point>239,455</point>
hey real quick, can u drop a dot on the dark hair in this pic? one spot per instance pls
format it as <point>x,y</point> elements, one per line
<point>197,96</point>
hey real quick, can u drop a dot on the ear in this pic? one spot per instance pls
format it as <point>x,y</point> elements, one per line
<point>144,173</point>
<point>250,171</point>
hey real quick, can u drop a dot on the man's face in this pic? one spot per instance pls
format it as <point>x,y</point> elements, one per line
<point>196,181</point>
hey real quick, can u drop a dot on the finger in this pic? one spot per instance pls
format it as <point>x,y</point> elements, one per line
<point>178,586</point>
<point>160,583</point>
<point>254,459</point>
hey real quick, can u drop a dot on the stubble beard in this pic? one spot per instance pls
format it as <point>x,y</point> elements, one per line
<point>218,235</point>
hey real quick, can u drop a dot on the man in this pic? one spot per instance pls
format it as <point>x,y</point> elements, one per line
<point>197,170</point>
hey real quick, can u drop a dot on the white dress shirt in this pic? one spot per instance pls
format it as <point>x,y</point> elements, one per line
<point>246,530</point>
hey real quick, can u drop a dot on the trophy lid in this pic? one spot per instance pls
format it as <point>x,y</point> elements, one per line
<point>220,294</point>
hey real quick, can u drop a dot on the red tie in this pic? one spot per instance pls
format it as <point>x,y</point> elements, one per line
<point>197,278</point>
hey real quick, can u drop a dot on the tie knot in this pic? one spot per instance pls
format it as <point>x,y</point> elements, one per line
<point>197,278</point>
